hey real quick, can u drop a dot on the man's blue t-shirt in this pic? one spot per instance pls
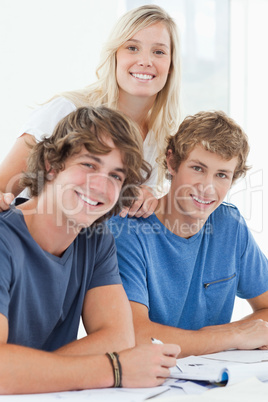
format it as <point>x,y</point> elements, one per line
<point>190,283</point>
<point>42,295</point>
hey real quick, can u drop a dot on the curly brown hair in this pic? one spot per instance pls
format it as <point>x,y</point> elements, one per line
<point>216,132</point>
<point>89,127</point>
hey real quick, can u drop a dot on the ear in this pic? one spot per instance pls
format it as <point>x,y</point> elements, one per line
<point>50,172</point>
<point>47,166</point>
<point>169,159</point>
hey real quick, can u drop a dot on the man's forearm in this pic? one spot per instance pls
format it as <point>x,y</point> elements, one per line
<point>261,314</point>
<point>204,341</point>
<point>26,370</point>
<point>100,342</point>
<point>250,334</point>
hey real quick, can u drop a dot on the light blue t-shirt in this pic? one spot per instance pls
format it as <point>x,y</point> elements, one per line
<point>42,295</point>
<point>190,283</point>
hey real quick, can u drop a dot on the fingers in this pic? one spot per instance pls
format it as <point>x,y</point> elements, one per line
<point>147,365</point>
<point>252,334</point>
<point>264,347</point>
<point>137,204</point>
<point>144,205</point>
<point>124,212</point>
<point>147,208</point>
<point>5,201</point>
<point>131,211</point>
<point>163,374</point>
<point>167,359</point>
<point>171,350</point>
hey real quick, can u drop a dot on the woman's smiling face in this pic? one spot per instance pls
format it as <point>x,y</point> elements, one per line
<point>143,62</point>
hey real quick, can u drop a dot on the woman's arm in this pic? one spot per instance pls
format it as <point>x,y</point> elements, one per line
<point>12,166</point>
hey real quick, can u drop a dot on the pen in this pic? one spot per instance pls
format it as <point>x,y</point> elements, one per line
<point>156,341</point>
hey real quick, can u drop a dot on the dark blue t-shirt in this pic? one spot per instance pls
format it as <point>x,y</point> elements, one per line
<point>42,295</point>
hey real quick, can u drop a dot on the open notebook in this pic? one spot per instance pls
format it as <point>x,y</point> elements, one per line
<point>230,366</point>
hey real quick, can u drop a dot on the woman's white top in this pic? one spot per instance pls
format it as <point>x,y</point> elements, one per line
<point>44,119</point>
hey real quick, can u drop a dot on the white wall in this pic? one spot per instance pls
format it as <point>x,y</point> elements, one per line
<point>46,47</point>
<point>249,106</point>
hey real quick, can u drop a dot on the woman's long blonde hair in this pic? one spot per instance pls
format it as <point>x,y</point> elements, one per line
<point>164,117</point>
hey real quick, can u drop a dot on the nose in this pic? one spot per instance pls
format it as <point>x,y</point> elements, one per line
<point>98,183</point>
<point>145,59</point>
<point>206,187</point>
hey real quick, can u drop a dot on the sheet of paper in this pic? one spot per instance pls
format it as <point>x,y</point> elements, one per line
<point>94,395</point>
<point>246,391</point>
<point>241,371</point>
<point>188,387</point>
<point>216,370</point>
<point>240,356</point>
<point>198,368</point>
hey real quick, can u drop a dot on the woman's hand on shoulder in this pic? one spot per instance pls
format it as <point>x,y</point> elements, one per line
<point>5,201</point>
<point>144,205</point>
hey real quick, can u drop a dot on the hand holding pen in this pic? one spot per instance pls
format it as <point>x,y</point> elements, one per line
<point>156,341</point>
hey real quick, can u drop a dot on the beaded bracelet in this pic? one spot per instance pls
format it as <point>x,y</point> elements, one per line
<point>117,369</point>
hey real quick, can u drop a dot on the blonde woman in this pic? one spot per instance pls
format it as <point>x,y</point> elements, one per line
<point>139,75</point>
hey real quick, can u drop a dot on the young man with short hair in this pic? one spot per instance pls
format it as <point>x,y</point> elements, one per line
<point>58,262</point>
<point>183,266</point>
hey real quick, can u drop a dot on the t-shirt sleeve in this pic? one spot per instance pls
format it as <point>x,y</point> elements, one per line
<point>106,270</point>
<point>253,279</point>
<point>131,259</point>
<point>44,119</point>
<point>5,278</point>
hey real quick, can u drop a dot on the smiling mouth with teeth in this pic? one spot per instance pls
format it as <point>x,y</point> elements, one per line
<point>201,201</point>
<point>88,200</point>
<point>143,76</point>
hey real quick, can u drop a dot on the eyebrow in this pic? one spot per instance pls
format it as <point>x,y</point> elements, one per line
<point>205,166</point>
<point>155,44</point>
<point>99,160</point>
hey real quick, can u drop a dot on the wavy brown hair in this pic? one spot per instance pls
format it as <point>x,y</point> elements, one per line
<point>217,133</point>
<point>89,127</point>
